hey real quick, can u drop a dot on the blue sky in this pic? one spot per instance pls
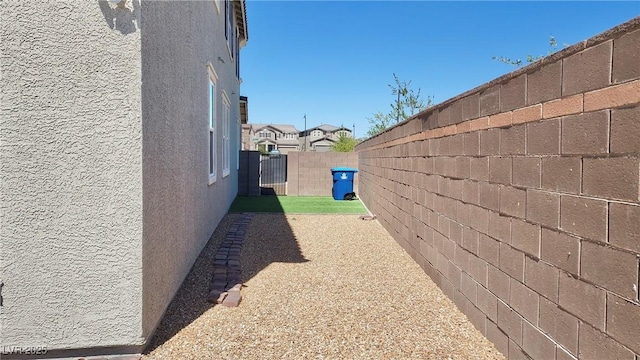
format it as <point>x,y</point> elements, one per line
<point>332,60</point>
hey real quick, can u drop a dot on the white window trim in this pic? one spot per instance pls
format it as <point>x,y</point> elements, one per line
<point>217,2</point>
<point>226,147</point>
<point>236,56</point>
<point>212,119</point>
<point>229,18</point>
<point>239,144</point>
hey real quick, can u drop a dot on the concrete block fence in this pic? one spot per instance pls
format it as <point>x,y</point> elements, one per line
<point>520,199</point>
<point>309,173</point>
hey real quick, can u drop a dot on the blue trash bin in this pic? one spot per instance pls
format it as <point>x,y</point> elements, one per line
<point>342,181</point>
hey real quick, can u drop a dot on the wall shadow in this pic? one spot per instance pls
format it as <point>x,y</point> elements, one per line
<point>268,239</point>
<point>120,17</point>
<point>267,191</point>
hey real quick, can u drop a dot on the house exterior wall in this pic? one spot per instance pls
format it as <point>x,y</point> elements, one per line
<point>287,149</point>
<point>309,136</point>
<point>250,144</point>
<point>520,200</point>
<point>181,210</point>
<point>71,168</point>
<point>322,146</point>
<point>246,137</point>
<point>104,195</point>
<point>267,134</point>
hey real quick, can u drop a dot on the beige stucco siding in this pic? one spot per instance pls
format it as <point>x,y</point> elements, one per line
<point>104,164</point>
<point>180,209</point>
<point>71,170</point>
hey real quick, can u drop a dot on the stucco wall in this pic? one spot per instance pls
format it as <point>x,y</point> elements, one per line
<point>181,210</point>
<point>71,170</point>
<point>97,234</point>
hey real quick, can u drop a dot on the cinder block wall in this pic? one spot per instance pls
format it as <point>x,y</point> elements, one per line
<point>309,173</point>
<point>520,200</point>
<point>249,173</point>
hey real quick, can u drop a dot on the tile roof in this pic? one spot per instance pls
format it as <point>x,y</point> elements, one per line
<point>323,138</point>
<point>283,128</point>
<point>329,128</point>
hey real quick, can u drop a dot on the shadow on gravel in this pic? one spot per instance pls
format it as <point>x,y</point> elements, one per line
<point>268,239</point>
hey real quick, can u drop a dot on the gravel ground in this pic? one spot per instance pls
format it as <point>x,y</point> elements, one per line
<point>318,286</point>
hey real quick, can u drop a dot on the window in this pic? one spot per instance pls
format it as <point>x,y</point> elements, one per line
<point>212,124</point>
<point>226,155</point>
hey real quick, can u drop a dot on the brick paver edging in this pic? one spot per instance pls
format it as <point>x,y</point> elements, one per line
<point>225,284</point>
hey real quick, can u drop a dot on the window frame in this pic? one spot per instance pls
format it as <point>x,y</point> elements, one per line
<point>239,144</point>
<point>229,25</point>
<point>237,53</point>
<point>226,147</point>
<point>212,117</point>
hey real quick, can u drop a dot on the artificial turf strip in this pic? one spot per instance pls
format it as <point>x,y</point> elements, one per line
<point>296,205</point>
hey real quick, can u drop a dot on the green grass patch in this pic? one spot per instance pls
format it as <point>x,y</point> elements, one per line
<point>296,205</point>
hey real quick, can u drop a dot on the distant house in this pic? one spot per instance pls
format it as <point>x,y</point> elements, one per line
<point>119,159</point>
<point>244,119</point>
<point>322,138</point>
<point>271,136</point>
<point>287,138</point>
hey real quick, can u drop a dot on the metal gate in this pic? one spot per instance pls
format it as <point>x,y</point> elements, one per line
<point>273,174</point>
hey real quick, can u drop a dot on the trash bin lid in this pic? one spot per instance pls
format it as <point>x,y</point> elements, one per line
<point>337,169</point>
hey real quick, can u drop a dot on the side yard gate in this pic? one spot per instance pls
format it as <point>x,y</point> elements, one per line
<point>273,174</point>
<point>262,174</point>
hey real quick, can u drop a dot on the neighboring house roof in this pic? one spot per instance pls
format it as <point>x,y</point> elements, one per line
<point>326,127</point>
<point>283,128</point>
<point>329,128</point>
<point>322,139</point>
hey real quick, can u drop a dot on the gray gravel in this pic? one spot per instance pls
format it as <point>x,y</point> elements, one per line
<point>318,286</point>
